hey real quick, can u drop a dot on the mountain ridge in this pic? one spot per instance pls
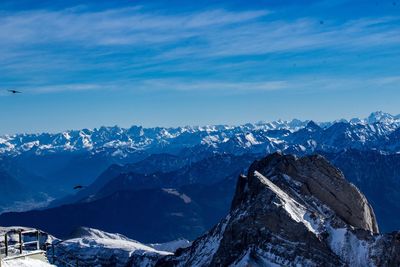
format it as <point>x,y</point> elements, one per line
<point>119,142</point>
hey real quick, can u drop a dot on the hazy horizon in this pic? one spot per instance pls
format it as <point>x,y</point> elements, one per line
<point>194,125</point>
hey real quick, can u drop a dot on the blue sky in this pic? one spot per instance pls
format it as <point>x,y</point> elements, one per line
<point>83,64</point>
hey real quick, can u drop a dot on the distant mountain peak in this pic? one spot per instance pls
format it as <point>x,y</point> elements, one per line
<point>313,126</point>
<point>380,116</point>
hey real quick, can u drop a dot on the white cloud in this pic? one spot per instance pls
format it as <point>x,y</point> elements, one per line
<point>113,27</point>
<point>223,32</point>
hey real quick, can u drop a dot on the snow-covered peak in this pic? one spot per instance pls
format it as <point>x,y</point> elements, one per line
<point>262,136</point>
<point>94,247</point>
<point>381,117</point>
<point>86,232</point>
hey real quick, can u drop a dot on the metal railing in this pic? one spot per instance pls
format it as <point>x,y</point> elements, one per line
<point>55,253</point>
<point>12,247</point>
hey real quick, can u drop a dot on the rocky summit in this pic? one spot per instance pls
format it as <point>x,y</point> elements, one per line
<point>291,211</point>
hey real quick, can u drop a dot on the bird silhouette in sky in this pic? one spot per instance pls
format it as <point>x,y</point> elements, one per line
<point>14,91</point>
<point>76,187</point>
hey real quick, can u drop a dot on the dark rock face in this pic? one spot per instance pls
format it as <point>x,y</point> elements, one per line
<point>325,182</point>
<point>292,211</point>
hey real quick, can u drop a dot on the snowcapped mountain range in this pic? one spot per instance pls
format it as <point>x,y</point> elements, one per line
<point>376,131</point>
<point>288,211</point>
<point>109,160</point>
<point>192,171</point>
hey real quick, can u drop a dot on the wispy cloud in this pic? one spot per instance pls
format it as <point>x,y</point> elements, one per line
<point>51,48</point>
<point>210,85</point>
<point>129,26</point>
<point>302,84</point>
<point>155,85</point>
<point>223,32</point>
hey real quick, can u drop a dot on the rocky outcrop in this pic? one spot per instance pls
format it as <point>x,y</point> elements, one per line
<point>320,179</point>
<point>291,211</point>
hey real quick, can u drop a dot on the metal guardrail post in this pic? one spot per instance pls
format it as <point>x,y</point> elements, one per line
<point>20,241</point>
<point>38,240</point>
<point>6,244</point>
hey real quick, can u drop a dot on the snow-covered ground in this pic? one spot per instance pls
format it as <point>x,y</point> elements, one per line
<point>26,263</point>
<point>95,247</point>
<point>171,246</point>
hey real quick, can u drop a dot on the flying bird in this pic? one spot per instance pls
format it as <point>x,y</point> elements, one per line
<point>78,187</point>
<point>14,91</point>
